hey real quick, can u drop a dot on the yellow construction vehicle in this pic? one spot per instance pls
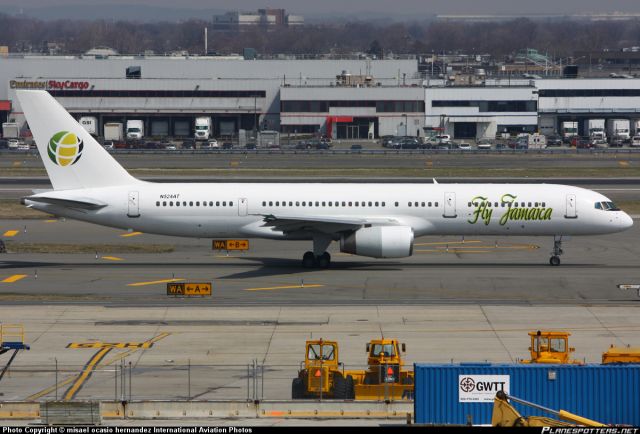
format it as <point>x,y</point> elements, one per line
<point>505,415</point>
<point>621,355</point>
<point>322,376</point>
<point>550,347</point>
<point>385,378</point>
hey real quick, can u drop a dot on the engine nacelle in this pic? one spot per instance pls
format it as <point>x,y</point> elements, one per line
<point>379,242</point>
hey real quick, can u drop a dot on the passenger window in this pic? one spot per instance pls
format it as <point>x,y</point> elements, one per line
<point>177,203</point>
<point>522,204</point>
<point>544,205</point>
<point>324,204</point>
<point>435,204</point>
<point>157,203</point>
<point>496,204</point>
<point>204,203</point>
<point>264,203</point>
<point>164,203</point>
<point>217,203</point>
<point>210,203</point>
<point>184,203</point>
<point>536,204</point>
<point>170,203</point>
<point>344,204</point>
<point>350,203</point>
<point>224,203</point>
<point>422,204</point>
<point>469,205</point>
<point>297,203</point>
<point>383,205</point>
<point>409,204</point>
<point>370,204</point>
<point>376,203</point>
<point>198,203</point>
<point>529,205</point>
<point>357,203</point>
<point>317,203</point>
<point>416,204</point>
<point>429,204</point>
<point>230,203</point>
<point>397,204</point>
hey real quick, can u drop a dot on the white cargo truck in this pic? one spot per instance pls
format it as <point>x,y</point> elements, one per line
<point>203,128</point>
<point>10,130</point>
<point>636,127</point>
<point>619,129</point>
<point>595,129</point>
<point>569,130</point>
<point>90,123</point>
<point>537,141</point>
<point>135,129</point>
<point>113,131</point>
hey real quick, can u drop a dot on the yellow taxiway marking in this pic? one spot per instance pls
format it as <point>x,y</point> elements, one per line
<point>285,287</point>
<point>14,278</point>
<point>155,282</point>
<point>50,221</point>
<point>443,243</point>
<point>86,373</point>
<point>112,258</point>
<point>109,362</point>
<point>623,163</point>
<point>131,234</point>
<point>10,233</point>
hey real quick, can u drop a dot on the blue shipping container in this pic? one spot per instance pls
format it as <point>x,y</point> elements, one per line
<point>448,394</point>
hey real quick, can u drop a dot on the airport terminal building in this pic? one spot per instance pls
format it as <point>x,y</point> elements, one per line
<point>344,99</point>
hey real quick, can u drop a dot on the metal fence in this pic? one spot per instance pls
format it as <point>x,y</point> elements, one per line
<point>125,381</point>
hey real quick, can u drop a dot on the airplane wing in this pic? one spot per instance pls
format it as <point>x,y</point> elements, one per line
<point>328,225</point>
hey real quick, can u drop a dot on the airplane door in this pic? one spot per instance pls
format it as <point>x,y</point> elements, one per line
<point>134,206</point>
<point>243,204</point>
<point>450,205</point>
<point>571,213</point>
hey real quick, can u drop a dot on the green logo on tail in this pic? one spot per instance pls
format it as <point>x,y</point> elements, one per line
<point>65,148</point>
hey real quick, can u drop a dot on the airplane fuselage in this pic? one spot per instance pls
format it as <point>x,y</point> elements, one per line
<point>210,210</point>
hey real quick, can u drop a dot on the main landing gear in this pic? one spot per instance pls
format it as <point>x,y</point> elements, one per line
<point>557,251</point>
<point>319,258</point>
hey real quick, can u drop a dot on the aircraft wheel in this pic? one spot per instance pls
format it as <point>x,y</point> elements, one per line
<point>308,260</point>
<point>554,260</point>
<point>324,260</point>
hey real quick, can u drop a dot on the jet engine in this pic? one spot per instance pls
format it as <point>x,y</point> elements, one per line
<point>379,242</point>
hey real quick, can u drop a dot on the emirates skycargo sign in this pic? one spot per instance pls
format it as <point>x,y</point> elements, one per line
<point>49,84</point>
<point>481,388</point>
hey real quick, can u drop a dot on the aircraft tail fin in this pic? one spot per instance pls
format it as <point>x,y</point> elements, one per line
<point>72,157</point>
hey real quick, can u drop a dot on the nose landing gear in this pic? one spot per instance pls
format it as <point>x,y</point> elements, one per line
<point>557,251</point>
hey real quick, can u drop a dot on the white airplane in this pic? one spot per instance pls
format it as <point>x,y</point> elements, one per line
<point>374,220</point>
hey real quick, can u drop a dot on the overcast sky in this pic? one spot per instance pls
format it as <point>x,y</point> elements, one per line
<point>377,7</point>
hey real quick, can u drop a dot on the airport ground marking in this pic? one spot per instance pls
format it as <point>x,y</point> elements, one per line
<point>11,233</point>
<point>442,243</point>
<point>155,282</point>
<point>311,285</point>
<point>112,258</point>
<point>86,373</point>
<point>131,234</point>
<point>51,221</point>
<point>109,362</point>
<point>14,278</point>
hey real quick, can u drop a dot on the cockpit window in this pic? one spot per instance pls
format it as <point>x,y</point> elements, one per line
<point>606,206</point>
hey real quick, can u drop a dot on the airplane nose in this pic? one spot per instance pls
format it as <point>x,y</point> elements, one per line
<point>627,221</point>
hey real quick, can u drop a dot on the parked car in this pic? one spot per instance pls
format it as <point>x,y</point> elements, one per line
<point>584,143</point>
<point>189,144</point>
<point>484,144</point>
<point>213,144</point>
<point>443,138</point>
<point>250,146</point>
<point>635,141</point>
<point>323,146</point>
<point>302,145</point>
<point>170,148</point>
<point>108,145</point>
<point>385,141</point>
<point>500,146</point>
<point>356,147</point>
<point>23,147</point>
<point>227,145</point>
<point>4,144</point>
<point>464,146</point>
<point>554,141</point>
<point>13,144</point>
<point>616,143</point>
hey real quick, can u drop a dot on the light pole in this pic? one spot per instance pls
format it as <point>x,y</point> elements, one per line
<point>406,127</point>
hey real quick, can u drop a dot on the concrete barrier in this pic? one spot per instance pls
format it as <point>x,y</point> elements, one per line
<point>19,410</point>
<point>146,410</point>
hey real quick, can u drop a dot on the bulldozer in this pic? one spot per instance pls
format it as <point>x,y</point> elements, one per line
<point>550,347</point>
<point>321,375</point>
<point>384,379</point>
<point>505,415</point>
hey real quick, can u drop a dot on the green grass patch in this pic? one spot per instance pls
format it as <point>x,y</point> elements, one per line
<point>13,209</point>
<point>101,249</point>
